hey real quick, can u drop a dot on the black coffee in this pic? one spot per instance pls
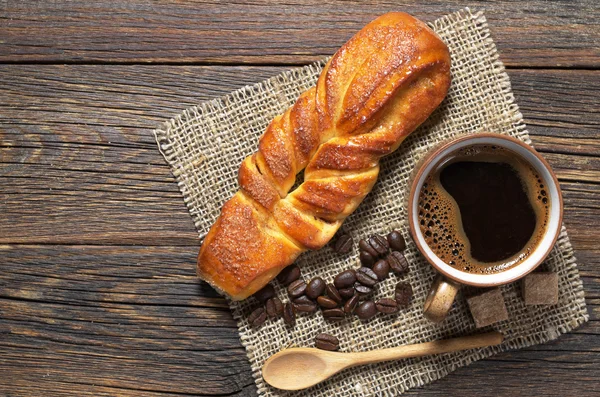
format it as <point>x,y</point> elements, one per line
<point>483,209</point>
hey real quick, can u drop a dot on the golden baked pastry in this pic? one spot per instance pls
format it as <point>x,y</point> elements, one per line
<point>375,90</point>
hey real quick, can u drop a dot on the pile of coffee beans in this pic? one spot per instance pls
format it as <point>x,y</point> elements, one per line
<point>351,290</point>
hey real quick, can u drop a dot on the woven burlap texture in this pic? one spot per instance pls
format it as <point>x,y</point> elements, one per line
<point>205,146</point>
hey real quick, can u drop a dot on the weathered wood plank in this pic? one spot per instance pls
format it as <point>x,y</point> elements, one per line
<point>116,105</point>
<point>118,279</point>
<point>186,372</point>
<point>116,318</point>
<point>90,172</point>
<point>79,164</point>
<point>519,374</point>
<point>131,321</point>
<point>561,113</point>
<point>534,33</point>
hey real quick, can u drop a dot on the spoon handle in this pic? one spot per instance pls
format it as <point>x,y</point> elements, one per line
<point>424,349</point>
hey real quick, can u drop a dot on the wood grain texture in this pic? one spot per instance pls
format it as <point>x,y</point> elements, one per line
<point>131,320</point>
<point>98,294</point>
<point>533,33</point>
<point>80,166</point>
<point>122,317</point>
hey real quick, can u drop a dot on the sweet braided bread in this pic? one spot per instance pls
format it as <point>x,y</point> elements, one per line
<point>383,83</point>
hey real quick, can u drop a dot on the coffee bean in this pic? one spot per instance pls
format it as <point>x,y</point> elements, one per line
<point>297,288</point>
<point>327,342</point>
<point>333,293</point>
<point>326,303</point>
<point>289,274</point>
<point>365,246</point>
<point>403,294</point>
<point>396,241</point>
<point>274,307</point>
<point>315,288</point>
<point>379,244</point>
<point>336,314</point>
<point>264,294</point>
<point>345,279</point>
<point>305,304</point>
<point>347,293</point>
<point>366,277</point>
<point>257,317</point>
<point>351,304</point>
<point>382,269</point>
<point>366,259</point>
<point>362,289</point>
<point>289,314</point>
<point>387,306</point>
<point>343,244</point>
<point>366,310</point>
<point>398,263</point>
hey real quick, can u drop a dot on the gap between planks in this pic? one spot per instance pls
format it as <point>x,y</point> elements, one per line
<point>246,64</point>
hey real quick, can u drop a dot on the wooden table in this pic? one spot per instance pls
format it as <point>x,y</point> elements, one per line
<point>98,294</point>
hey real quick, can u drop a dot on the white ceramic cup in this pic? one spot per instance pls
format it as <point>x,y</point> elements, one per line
<point>446,285</point>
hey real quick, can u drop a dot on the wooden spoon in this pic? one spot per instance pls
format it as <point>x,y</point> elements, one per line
<point>299,368</point>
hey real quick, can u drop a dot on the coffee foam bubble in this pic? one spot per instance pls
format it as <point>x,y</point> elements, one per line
<point>440,220</point>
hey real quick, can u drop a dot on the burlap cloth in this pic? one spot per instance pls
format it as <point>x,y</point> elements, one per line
<point>205,145</point>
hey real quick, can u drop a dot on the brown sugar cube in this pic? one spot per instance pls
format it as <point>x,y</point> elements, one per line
<point>488,308</point>
<point>540,289</point>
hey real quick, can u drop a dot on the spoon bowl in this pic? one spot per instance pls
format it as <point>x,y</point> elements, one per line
<point>299,368</point>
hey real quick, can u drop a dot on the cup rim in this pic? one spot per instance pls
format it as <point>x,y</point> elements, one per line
<point>482,280</point>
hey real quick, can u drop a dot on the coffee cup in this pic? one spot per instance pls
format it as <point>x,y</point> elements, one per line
<point>472,270</point>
